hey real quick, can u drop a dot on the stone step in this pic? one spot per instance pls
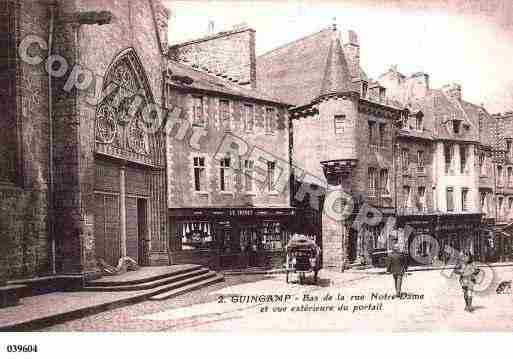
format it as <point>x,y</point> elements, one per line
<point>149,284</point>
<point>113,281</point>
<point>181,284</point>
<point>188,288</point>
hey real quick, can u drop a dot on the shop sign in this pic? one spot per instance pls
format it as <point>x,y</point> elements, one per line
<point>240,212</point>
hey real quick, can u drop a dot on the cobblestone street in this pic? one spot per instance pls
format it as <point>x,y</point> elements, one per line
<point>434,303</point>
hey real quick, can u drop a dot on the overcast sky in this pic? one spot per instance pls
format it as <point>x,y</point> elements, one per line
<point>464,41</point>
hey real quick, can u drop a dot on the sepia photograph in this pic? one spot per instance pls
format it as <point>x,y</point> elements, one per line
<point>254,166</point>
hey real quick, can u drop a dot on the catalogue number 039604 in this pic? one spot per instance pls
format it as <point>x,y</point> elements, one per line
<point>12,348</point>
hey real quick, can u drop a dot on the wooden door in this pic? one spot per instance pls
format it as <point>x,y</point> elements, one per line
<point>107,228</point>
<point>132,231</point>
<point>142,230</point>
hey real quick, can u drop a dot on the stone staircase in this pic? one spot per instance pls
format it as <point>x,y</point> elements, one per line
<point>157,283</point>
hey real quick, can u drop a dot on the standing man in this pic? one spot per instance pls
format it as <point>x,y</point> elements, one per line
<point>397,264</point>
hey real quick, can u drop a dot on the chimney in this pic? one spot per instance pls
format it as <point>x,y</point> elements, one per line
<point>352,52</point>
<point>211,27</point>
<point>453,91</point>
<point>418,83</point>
<point>229,54</point>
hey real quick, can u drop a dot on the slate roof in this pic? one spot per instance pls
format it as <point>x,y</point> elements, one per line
<point>439,111</point>
<point>302,70</point>
<point>336,77</point>
<point>212,83</point>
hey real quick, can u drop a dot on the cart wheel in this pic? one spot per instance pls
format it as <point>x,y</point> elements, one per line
<point>287,277</point>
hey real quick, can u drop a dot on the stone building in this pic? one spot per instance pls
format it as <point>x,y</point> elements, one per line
<point>78,153</point>
<point>228,208</point>
<point>502,209</point>
<point>457,139</point>
<point>412,159</point>
<point>343,134</point>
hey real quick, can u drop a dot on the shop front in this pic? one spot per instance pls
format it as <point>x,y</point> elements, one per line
<point>434,238</point>
<point>428,239</point>
<point>230,238</point>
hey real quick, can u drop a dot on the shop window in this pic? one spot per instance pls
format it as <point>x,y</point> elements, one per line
<point>272,239</point>
<point>199,174</point>
<point>271,173</point>
<point>450,199</point>
<point>198,114</point>
<point>371,182</point>
<point>464,199</point>
<point>249,239</point>
<point>248,175</point>
<point>269,119</point>
<point>224,174</point>
<point>224,114</point>
<point>249,117</point>
<point>339,124</point>
<point>195,235</point>
<point>383,180</point>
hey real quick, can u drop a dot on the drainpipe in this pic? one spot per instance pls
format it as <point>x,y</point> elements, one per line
<point>50,144</point>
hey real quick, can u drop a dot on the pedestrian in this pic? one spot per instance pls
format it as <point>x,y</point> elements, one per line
<point>468,272</point>
<point>397,264</point>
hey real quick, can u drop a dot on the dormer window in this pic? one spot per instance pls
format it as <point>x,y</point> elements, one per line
<point>381,94</point>
<point>456,126</point>
<point>419,123</point>
<point>365,87</point>
<point>404,121</point>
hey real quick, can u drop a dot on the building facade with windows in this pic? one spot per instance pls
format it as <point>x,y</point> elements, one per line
<point>343,136</point>
<point>228,208</point>
<point>417,155</point>
<point>458,138</point>
<point>502,206</point>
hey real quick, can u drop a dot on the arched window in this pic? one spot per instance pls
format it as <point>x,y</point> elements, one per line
<point>121,120</point>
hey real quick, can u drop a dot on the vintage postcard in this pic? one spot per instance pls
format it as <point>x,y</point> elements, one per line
<point>235,166</point>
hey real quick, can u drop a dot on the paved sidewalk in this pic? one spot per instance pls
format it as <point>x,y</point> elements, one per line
<point>39,311</point>
<point>43,310</point>
<point>381,270</point>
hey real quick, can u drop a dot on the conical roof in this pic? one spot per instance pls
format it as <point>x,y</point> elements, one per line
<point>300,71</point>
<point>336,73</point>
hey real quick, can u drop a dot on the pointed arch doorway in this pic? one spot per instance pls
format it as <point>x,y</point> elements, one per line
<point>125,163</point>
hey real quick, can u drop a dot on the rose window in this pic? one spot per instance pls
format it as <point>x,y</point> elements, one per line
<point>137,137</point>
<point>105,124</point>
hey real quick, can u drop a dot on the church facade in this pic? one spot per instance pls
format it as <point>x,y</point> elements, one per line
<point>84,178</point>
